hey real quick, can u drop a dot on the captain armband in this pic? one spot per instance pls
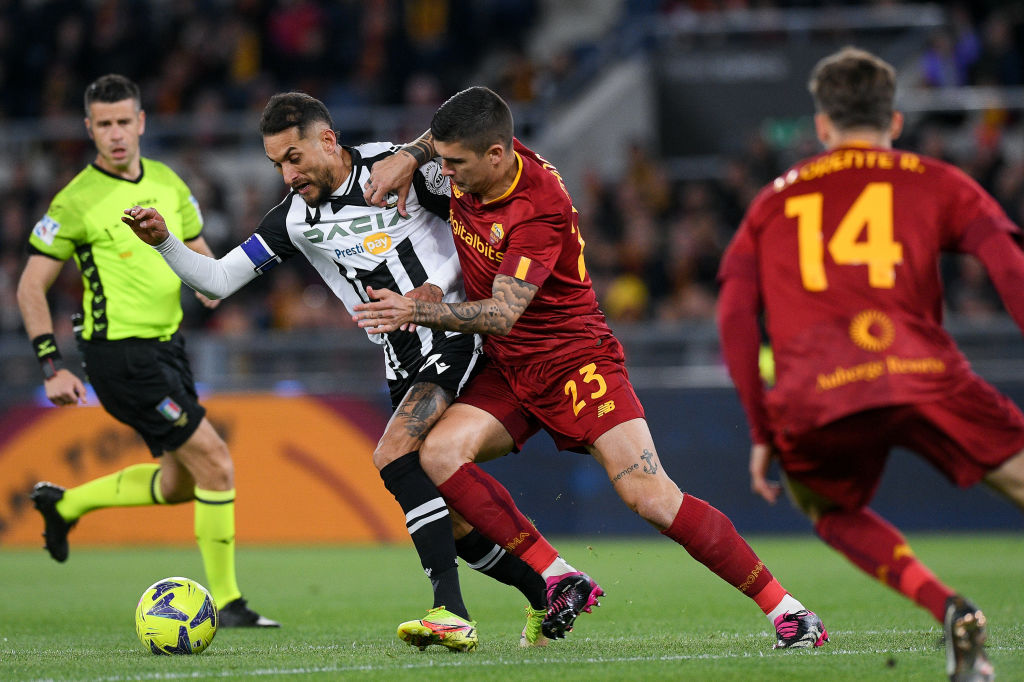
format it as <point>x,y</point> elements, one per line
<point>48,355</point>
<point>259,253</point>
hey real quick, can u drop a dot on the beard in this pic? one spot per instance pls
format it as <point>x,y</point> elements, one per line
<point>317,193</point>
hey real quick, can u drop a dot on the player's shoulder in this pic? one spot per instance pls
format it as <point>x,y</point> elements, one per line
<point>535,168</point>
<point>158,171</point>
<point>156,168</point>
<point>771,196</point>
<point>83,187</point>
<point>937,166</point>
<point>369,153</point>
<point>82,180</point>
<point>277,216</point>
<point>539,185</point>
<point>774,189</point>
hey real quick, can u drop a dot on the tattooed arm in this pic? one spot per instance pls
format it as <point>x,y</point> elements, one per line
<point>421,149</point>
<point>394,173</point>
<point>495,315</point>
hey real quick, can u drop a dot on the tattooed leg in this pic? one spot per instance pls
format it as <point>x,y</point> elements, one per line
<point>426,515</point>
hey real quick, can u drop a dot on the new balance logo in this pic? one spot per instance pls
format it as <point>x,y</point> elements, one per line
<point>605,408</point>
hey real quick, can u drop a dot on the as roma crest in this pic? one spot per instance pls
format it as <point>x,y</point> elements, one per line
<point>497,232</point>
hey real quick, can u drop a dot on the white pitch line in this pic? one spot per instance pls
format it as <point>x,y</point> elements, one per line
<point>465,662</point>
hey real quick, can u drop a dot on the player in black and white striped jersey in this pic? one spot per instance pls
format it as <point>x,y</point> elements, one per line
<point>353,246</point>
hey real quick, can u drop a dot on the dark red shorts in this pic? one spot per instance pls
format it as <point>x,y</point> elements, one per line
<point>964,435</point>
<point>575,397</point>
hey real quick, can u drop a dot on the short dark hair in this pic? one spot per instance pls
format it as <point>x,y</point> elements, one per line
<point>112,88</point>
<point>854,88</point>
<point>476,117</point>
<point>293,110</point>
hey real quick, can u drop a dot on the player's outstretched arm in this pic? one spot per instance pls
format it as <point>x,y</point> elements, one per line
<point>212,277</point>
<point>495,315</point>
<point>199,245</point>
<point>394,174</point>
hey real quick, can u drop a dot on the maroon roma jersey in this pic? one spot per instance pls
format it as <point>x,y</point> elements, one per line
<point>531,233</point>
<point>844,250</point>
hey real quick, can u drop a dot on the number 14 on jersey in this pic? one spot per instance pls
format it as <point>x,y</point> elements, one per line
<point>870,217</point>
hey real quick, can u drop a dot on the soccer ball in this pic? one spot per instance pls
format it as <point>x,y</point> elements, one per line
<point>176,616</point>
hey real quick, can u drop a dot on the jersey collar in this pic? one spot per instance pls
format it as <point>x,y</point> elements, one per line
<point>515,182</point>
<point>857,144</point>
<point>142,172</point>
<point>346,194</point>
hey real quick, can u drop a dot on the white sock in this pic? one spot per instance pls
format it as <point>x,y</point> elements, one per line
<point>557,567</point>
<point>787,605</point>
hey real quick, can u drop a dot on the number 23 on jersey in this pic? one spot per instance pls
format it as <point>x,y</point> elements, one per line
<point>592,381</point>
<point>864,237</point>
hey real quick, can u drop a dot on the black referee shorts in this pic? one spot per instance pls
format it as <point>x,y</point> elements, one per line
<point>148,385</point>
<point>450,364</point>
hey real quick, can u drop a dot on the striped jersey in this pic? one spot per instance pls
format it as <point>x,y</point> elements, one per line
<point>353,246</point>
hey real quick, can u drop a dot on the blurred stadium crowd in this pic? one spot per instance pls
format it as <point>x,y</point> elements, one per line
<point>653,239</point>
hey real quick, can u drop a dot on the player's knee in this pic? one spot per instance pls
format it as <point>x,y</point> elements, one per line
<point>1008,479</point>
<point>432,459</point>
<point>440,456</point>
<point>224,468</point>
<point>637,505</point>
<point>215,470</point>
<point>384,455</point>
<point>657,502</point>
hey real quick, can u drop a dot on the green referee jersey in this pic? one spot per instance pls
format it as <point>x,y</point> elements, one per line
<point>129,291</point>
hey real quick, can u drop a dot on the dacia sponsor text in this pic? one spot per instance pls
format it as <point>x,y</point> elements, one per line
<point>360,225</point>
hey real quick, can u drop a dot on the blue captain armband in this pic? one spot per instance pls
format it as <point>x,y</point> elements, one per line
<point>262,257</point>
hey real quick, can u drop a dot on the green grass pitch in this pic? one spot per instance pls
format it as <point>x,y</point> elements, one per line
<point>665,617</point>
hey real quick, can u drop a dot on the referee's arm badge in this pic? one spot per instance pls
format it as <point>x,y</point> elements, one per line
<point>46,229</point>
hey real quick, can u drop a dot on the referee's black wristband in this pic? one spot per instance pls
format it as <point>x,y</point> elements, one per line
<point>48,355</point>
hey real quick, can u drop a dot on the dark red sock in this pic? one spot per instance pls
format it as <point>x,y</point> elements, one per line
<point>488,507</point>
<point>710,538</point>
<point>877,548</point>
